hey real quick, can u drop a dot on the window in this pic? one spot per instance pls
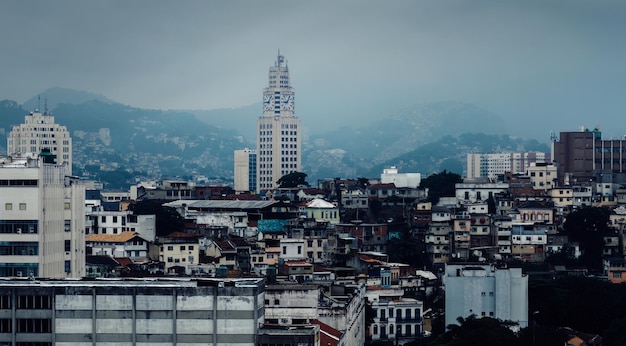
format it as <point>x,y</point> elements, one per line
<point>183,248</point>
<point>299,249</point>
<point>170,248</point>
<point>22,206</point>
<point>68,206</point>
<point>284,250</point>
<point>617,275</point>
<point>68,266</point>
<point>8,206</point>
<point>190,247</point>
<point>68,245</point>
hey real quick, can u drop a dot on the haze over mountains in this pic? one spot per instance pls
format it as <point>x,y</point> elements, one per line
<point>143,143</point>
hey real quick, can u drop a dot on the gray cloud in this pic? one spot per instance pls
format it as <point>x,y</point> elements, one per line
<point>548,63</point>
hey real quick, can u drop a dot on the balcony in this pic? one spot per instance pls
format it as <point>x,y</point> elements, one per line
<point>462,238</point>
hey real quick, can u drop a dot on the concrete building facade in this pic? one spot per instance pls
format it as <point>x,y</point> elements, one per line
<point>245,170</point>
<point>279,132</point>
<point>493,164</point>
<point>137,312</point>
<point>486,291</point>
<point>41,220</point>
<point>39,131</point>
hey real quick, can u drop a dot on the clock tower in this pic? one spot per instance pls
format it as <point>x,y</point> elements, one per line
<point>278,129</point>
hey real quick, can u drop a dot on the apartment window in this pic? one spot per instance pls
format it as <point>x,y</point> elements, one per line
<point>103,218</point>
<point>114,219</point>
<point>299,249</point>
<point>8,206</point>
<point>68,245</point>
<point>67,205</point>
<point>190,247</point>
<point>183,248</point>
<point>170,248</point>
<point>170,259</point>
<point>34,325</point>
<point>284,250</point>
<point>22,206</point>
<point>68,265</point>
<point>67,226</point>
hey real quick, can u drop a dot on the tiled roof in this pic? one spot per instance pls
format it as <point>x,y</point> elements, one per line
<point>111,238</point>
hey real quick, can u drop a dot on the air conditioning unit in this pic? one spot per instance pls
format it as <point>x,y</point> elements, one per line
<point>284,321</point>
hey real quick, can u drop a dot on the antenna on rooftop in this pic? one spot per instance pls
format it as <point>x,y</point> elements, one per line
<point>38,103</point>
<point>553,136</point>
<point>45,106</point>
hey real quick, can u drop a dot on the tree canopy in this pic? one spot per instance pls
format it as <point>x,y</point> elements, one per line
<point>441,185</point>
<point>588,226</point>
<point>293,179</point>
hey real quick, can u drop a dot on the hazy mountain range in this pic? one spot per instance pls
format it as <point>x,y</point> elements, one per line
<point>143,143</point>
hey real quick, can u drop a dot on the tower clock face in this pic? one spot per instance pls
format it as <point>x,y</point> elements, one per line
<point>267,102</point>
<point>286,102</point>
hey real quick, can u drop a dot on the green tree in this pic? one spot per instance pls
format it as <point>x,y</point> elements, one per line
<point>485,331</point>
<point>293,179</point>
<point>588,226</point>
<point>441,185</point>
<point>168,220</point>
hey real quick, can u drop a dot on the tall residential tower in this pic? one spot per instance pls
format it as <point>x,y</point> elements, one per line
<point>278,130</point>
<point>38,132</point>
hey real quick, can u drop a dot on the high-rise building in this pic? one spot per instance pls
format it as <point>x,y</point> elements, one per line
<point>38,132</point>
<point>245,170</point>
<point>278,129</point>
<point>493,164</point>
<point>42,220</point>
<point>583,156</point>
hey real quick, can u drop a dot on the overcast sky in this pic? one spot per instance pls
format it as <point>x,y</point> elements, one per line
<point>545,63</point>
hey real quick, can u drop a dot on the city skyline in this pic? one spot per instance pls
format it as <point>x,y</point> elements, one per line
<point>538,61</point>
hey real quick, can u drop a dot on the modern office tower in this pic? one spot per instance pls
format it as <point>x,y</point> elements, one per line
<point>486,291</point>
<point>42,218</point>
<point>493,164</point>
<point>278,130</point>
<point>134,312</point>
<point>583,156</point>
<point>39,132</point>
<point>245,170</point>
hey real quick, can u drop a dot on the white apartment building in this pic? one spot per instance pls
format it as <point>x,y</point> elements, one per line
<point>41,220</point>
<point>279,131</point>
<point>485,291</point>
<point>494,164</point>
<point>391,176</point>
<point>469,193</point>
<point>116,222</point>
<point>245,170</point>
<point>39,131</point>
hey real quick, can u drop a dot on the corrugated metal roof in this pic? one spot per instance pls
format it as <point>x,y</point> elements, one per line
<point>221,204</point>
